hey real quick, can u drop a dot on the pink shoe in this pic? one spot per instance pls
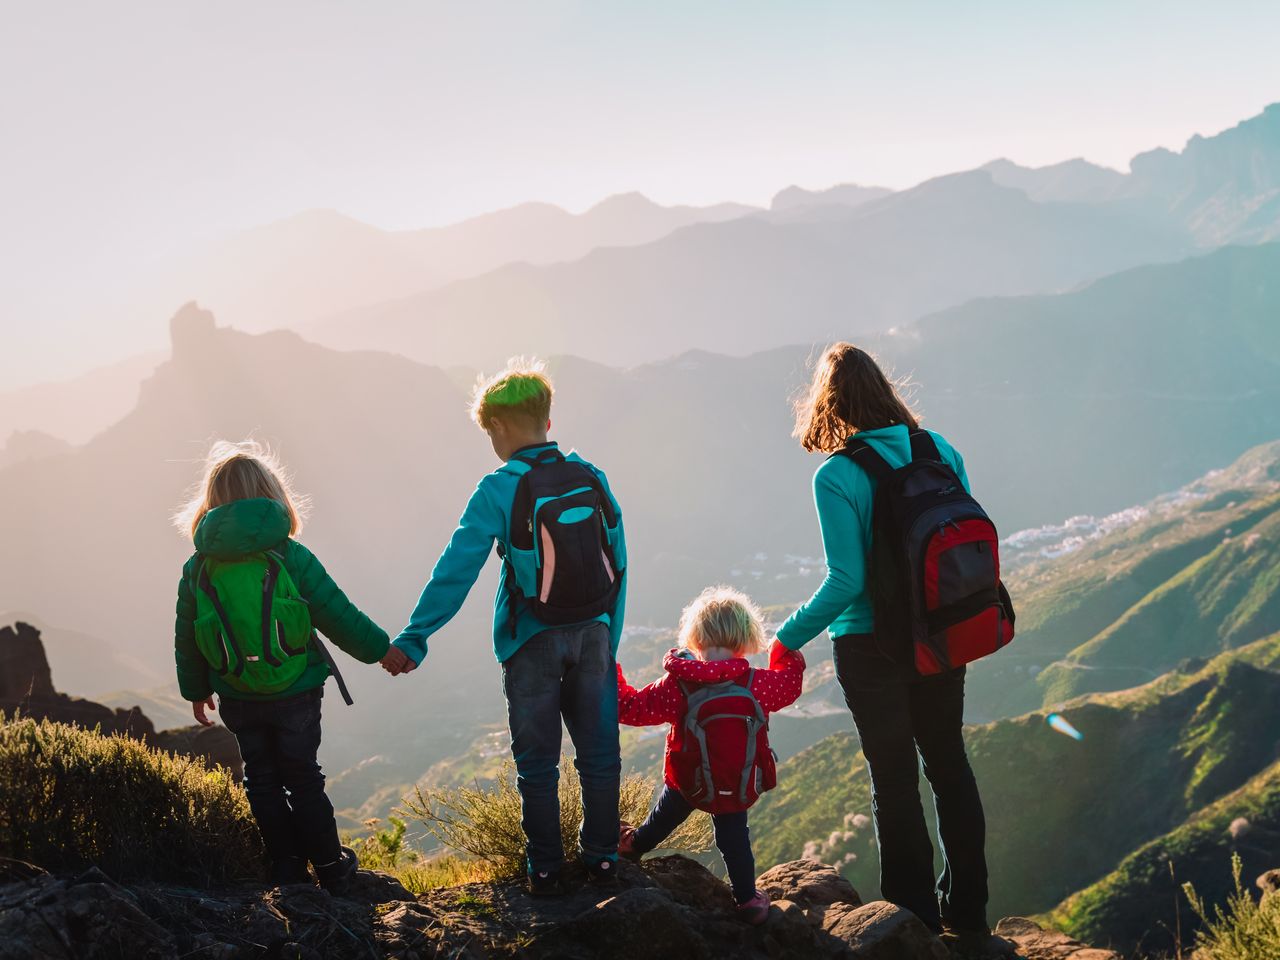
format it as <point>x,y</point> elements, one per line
<point>626,843</point>
<point>756,910</point>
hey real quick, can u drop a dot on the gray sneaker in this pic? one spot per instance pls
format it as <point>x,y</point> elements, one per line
<point>978,945</point>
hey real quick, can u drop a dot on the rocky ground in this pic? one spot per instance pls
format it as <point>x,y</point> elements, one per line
<point>670,907</point>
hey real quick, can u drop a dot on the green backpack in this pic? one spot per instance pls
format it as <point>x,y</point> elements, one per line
<point>252,625</point>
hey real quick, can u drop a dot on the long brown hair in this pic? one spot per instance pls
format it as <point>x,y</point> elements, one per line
<point>849,392</point>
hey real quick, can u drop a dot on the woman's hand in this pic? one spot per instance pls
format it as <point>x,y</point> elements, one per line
<point>198,708</point>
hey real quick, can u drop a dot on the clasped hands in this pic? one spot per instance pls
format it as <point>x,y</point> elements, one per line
<point>395,661</point>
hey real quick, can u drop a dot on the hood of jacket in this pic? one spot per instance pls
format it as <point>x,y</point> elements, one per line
<point>242,527</point>
<point>682,665</point>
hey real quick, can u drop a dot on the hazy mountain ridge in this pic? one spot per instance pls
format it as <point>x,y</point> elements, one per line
<point>757,283</point>
<point>1223,188</point>
<point>316,263</point>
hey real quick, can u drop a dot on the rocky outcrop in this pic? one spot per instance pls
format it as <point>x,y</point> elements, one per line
<point>26,687</point>
<point>668,907</point>
<point>1036,943</point>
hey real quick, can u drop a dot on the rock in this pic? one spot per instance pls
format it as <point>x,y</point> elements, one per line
<point>637,924</point>
<point>882,931</point>
<point>85,918</point>
<point>1036,943</point>
<point>24,668</point>
<point>808,883</point>
<point>372,886</point>
<point>690,883</point>
<point>1269,882</point>
<point>191,329</point>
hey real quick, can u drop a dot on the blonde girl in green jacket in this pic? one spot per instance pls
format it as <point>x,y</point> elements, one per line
<point>249,600</point>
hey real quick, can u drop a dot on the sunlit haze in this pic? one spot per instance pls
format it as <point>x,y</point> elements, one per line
<point>138,131</point>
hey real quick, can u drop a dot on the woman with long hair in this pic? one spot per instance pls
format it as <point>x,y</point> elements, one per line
<point>901,717</point>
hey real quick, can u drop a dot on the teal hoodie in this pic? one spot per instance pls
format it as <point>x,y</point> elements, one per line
<point>251,526</point>
<point>842,492</point>
<point>486,520</point>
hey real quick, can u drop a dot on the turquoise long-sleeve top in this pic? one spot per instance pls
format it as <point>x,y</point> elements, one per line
<point>486,520</point>
<point>843,493</point>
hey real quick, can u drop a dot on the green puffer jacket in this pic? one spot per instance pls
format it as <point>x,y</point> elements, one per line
<point>250,526</point>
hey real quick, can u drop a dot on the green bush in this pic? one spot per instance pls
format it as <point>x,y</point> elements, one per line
<point>388,851</point>
<point>484,822</point>
<point>1247,929</point>
<point>70,798</point>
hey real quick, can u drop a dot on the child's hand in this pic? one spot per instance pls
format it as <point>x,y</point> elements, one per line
<point>395,661</point>
<point>198,708</point>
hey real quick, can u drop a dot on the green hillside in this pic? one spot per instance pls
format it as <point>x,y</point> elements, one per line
<point>1187,575</point>
<point>1061,814</point>
<point>1138,906</point>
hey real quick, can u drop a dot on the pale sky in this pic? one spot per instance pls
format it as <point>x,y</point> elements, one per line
<point>134,130</point>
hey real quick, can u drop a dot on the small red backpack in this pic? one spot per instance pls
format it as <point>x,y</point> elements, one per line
<point>724,762</point>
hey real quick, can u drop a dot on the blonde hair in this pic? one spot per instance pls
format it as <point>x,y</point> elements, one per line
<point>849,392</point>
<point>722,617</point>
<point>522,390</point>
<point>240,471</point>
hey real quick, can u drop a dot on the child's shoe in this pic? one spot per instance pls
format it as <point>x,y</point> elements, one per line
<point>601,872</point>
<point>756,910</point>
<point>336,877</point>
<point>287,871</point>
<point>627,843</point>
<point>546,883</point>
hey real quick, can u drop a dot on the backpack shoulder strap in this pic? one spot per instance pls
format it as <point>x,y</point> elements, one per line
<point>923,446</point>
<point>865,456</point>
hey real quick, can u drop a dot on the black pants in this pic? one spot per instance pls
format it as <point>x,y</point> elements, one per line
<point>898,715</point>
<point>278,743</point>
<point>733,838</point>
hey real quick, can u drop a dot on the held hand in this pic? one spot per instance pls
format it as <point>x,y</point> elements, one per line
<point>395,661</point>
<point>198,708</point>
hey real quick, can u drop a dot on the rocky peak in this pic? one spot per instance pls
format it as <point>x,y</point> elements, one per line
<point>668,907</point>
<point>190,329</point>
<point>24,668</point>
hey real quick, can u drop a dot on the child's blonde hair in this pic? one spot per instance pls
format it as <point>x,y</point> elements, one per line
<point>722,617</point>
<point>240,471</point>
<point>523,390</point>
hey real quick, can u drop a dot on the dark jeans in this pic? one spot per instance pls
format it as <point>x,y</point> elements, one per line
<point>898,714</point>
<point>278,743</point>
<point>565,672</point>
<point>733,838</point>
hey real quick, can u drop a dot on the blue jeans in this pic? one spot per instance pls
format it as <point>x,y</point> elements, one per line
<point>565,672</point>
<point>733,838</point>
<point>897,715</point>
<point>278,742</point>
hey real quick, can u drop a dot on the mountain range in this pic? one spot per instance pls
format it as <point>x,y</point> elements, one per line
<point>321,262</point>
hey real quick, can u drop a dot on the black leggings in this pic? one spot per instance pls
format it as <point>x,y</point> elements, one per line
<point>903,719</point>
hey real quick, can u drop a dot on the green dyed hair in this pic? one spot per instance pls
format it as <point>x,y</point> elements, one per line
<point>521,391</point>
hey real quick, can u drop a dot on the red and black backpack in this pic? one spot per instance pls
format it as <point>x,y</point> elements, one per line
<point>934,564</point>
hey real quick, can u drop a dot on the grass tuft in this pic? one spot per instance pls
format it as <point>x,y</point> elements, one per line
<point>483,822</point>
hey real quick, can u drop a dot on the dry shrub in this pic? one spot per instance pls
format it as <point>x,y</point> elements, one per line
<point>71,797</point>
<point>483,822</point>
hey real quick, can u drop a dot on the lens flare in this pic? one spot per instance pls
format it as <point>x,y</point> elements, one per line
<point>1059,723</point>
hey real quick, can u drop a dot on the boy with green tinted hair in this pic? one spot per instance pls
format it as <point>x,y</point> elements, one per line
<point>557,615</point>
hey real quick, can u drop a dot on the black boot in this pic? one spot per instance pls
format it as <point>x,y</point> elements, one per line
<point>336,877</point>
